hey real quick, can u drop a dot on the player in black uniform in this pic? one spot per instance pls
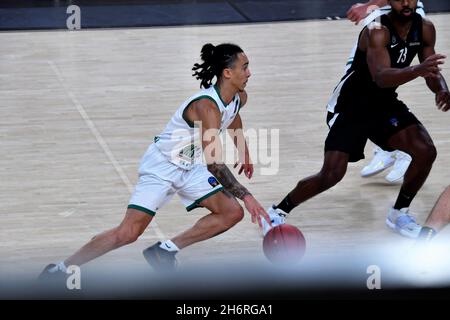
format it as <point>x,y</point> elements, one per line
<point>366,107</point>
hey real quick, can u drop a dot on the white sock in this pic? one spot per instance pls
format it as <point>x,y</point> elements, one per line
<point>169,246</point>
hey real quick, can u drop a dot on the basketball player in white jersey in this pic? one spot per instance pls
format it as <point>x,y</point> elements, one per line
<point>187,160</point>
<point>365,13</point>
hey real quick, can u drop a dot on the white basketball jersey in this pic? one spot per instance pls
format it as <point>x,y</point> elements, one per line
<point>181,141</point>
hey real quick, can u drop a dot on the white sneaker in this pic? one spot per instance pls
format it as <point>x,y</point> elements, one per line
<point>402,222</point>
<point>400,166</point>
<point>381,160</point>
<point>277,217</point>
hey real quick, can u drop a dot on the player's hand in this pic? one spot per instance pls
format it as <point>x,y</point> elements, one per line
<point>443,100</point>
<point>357,12</point>
<point>246,167</point>
<point>256,210</point>
<point>429,68</point>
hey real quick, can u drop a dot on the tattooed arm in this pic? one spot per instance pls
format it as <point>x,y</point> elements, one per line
<point>206,111</point>
<point>228,181</point>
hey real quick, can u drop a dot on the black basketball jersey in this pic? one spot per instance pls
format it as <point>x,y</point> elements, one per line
<point>403,52</point>
<point>357,87</point>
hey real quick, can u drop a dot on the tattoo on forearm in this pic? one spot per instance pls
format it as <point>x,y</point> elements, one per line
<point>228,181</point>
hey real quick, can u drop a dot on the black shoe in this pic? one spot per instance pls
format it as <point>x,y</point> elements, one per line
<point>160,259</point>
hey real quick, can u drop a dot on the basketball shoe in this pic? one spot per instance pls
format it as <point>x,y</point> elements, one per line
<point>277,217</point>
<point>52,275</point>
<point>403,223</point>
<point>381,161</point>
<point>402,161</point>
<point>160,259</point>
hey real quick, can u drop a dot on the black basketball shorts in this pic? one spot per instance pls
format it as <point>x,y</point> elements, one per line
<point>349,131</point>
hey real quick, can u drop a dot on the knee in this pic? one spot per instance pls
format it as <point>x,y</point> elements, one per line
<point>425,154</point>
<point>432,153</point>
<point>331,177</point>
<point>124,236</point>
<point>234,215</point>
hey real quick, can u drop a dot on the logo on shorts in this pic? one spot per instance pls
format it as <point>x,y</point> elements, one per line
<point>394,122</point>
<point>213,181</point>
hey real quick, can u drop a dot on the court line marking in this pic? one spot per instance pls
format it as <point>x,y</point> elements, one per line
<point>91,125</point>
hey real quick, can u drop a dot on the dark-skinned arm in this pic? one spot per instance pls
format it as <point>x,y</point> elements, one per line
<point>436,83</point>
<point>379,62</point>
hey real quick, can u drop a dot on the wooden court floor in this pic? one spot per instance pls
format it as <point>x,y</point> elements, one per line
<point>78,110</point>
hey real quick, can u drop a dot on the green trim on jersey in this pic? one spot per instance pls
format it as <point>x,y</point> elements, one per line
<point>196,203</point>
<point>145,210</point>
<point>189,122</point>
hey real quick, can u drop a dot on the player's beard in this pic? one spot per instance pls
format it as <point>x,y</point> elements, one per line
<point>402,18</point>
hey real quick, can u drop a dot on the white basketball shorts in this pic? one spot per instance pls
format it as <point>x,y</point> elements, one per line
<point>160,179</point>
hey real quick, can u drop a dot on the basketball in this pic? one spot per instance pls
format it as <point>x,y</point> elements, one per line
<point>284,243</point>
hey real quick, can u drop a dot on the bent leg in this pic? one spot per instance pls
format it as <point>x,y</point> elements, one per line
<point>415,141</point>
<point>132,226</point>
<point>225,213</point>
<point>333,170</point>
<point>345,143</point>
<point>440,215</point>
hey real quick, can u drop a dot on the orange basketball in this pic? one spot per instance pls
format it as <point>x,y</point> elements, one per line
<point>284,244</point>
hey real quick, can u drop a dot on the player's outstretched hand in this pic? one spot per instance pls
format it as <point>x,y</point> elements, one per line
<point>443,100</point>
<point>246,167</point>
<point>429,68</point>
<point>256,210</point>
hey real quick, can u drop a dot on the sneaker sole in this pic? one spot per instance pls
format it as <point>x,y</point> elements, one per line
<point>148,257</point>
<point>153,258</point>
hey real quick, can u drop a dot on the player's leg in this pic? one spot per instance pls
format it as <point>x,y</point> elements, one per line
<point>129,230</point>
<point>345,143</point>
<point>415,141</point>
<point>225,212</point>
<point>151,192</point>
<point>198,188</point>
<point>333,170</point>
<point>438,218</point>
